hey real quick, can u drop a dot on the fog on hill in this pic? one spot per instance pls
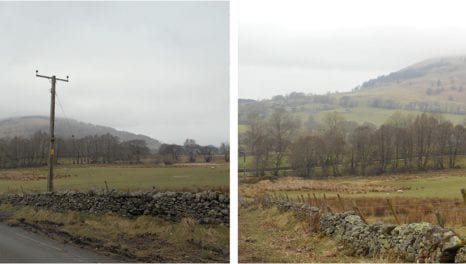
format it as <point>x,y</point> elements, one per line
<point>26,127</point>
<point>327,46</point>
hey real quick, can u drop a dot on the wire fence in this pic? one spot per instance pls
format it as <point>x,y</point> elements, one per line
<point>399,210</point>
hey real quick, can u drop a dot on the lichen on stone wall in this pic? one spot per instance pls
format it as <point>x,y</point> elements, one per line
<point>415,242</point>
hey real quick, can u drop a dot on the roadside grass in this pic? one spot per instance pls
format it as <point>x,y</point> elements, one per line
<point>118,177</point>
<point>268,235</point>
<point>147,238</point>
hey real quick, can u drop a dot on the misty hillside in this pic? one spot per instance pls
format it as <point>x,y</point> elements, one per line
<point>65,128</point>
<point>435,85</point>
<point>440,79</point>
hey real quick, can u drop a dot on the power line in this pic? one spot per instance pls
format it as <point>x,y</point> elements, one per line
<point>67,121</point>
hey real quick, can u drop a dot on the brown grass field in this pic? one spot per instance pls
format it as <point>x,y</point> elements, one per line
<point>395,199</point>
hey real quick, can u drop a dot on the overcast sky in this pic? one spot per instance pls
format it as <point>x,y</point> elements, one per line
<point>154,68</point>
<point>335,45</point>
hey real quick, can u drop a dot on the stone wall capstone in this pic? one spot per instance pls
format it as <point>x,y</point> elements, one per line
<point>206,207</point>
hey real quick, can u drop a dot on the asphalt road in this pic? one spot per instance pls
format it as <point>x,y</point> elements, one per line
<point>18,245</point>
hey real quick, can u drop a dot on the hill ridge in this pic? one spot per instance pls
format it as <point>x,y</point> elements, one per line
<point>25,126</point>
<point>435,85</point>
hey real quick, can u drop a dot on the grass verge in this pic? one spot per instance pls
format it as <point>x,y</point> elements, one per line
<point>141,239</point>
<point>268,235</point>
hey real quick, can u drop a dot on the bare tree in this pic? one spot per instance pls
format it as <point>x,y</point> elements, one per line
<point>361,148</point>
<point>225,150</point>
<point>192,149</point>
<point>281,128</point>
<point>305,155</point>
<point>334,138</point>
<point>258,142</point>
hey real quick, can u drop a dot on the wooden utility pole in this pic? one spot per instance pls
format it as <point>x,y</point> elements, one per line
<point>54,80</point>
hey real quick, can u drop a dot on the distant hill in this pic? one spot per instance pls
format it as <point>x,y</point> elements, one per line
<point>435,85</point>
<point>65,128</point>
<point>440,79</point>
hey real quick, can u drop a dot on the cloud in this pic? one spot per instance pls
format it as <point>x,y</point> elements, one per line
<point>134,66</point>
<point>321,46</point>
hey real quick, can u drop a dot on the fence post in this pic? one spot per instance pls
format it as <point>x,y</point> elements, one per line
<point>341,202</point>
<point>397,220</point>
<point>463,193</point>
<point>329,209</point>
<point>356,209</point>
<point>106,186</point>
<point>439,218</point>
<point>315,199</point>
<point>325,202</point>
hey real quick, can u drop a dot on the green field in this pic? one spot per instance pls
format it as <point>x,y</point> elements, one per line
<point>427,185</point>
<point>374,115</point>
<point>122,178</point>
<point>250,160</point>
<point>361,115</point>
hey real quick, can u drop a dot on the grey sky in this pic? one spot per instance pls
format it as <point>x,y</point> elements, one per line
<point>334,45</point>
<point>154,68</point>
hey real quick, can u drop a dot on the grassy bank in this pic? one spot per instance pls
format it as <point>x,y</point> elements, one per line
<point>267,235</point>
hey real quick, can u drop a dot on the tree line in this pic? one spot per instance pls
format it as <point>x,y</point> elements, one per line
<point>98,149</point>
<point>34,151</point>
<point>339,147</point>
<point>173,153</point>
<point>300,102</point>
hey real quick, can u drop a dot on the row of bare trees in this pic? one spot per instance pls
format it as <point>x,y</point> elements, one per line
<point>403,143</point>
<point>34,151</point>
<point>173,153</point>
<point>268,140</point>
<point>339,147</point>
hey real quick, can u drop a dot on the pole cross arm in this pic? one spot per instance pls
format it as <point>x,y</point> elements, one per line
<point>63,80</point>
<point>43,76</point>
<point>51,77</point>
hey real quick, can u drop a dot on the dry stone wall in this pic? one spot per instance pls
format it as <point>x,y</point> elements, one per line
<point>204,207</point>
<point>415,242</point>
